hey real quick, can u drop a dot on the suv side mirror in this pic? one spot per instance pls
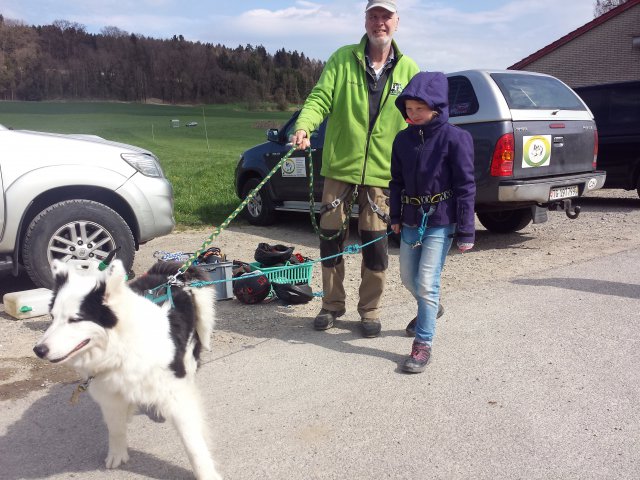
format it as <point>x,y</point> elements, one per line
<point>272,135</point>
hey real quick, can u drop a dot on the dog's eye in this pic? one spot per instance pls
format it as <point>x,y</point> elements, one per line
<point>75,319</point>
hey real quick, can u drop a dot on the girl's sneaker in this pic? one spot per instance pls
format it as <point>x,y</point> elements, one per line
<point>419,358</point>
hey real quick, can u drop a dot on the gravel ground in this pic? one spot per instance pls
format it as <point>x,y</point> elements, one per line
<point>609,222</point>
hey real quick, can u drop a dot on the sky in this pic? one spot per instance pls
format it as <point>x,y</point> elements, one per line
<point>439,35</point>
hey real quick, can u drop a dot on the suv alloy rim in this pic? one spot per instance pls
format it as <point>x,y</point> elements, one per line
<point>81,241</point>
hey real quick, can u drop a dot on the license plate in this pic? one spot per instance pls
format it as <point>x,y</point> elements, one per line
<point>563,192</point>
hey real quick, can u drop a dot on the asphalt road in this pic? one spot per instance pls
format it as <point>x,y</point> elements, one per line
<point>534,377</point>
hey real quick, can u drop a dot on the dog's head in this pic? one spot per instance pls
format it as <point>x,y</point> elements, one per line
<point>80,311</point>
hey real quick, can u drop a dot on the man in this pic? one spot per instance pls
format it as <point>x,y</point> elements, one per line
<point>357,91</point>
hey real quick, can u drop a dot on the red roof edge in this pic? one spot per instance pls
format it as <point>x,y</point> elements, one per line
<point>576,33</point>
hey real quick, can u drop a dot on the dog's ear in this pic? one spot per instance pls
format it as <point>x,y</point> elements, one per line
<point>60,272</point>
<point>116,278</point>
<point>58,267</point>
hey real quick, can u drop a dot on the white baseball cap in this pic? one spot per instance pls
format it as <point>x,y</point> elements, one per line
<point>389,5</point>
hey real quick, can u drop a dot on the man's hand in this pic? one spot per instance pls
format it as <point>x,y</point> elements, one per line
<point>396,228</point>
<point>300,140</point>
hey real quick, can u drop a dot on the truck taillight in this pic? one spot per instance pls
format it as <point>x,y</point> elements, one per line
<point>595,149</point>
<point>503,155</point>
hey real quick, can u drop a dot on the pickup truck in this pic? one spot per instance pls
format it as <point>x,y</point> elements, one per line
<point>535,146</point>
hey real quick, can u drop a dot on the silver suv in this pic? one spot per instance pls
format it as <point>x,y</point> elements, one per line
<point>76,198</point>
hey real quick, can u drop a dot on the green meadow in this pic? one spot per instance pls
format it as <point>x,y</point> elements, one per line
<point>199,161</point>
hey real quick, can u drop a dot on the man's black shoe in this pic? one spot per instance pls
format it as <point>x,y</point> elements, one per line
<point>411,327</point>
<point>370,327</point>
<point>324,319</point>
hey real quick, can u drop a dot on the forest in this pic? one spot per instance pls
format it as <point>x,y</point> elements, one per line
<point>62,61</point>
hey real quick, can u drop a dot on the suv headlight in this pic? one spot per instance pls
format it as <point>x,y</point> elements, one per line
<point>145,163</point>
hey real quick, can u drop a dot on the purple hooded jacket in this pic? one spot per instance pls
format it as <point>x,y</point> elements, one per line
<point>433,158</point>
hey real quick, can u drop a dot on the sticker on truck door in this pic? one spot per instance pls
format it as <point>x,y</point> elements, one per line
<point>294,167</point>
<point>536,151</point>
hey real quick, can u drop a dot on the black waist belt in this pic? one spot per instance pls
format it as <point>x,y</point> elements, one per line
<point>427,199</point>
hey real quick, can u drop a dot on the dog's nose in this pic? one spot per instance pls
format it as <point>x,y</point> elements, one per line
<point>41,350</point>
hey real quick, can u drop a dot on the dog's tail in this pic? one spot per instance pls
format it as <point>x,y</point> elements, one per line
<point>204,301</point>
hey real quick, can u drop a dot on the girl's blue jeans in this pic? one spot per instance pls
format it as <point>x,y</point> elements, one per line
<point>420,270</point>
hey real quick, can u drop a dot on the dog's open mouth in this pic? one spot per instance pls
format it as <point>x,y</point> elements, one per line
<point>81,345</point>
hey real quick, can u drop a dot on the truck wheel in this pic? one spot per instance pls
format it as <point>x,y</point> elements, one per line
<point>78,231</point>
<point>259,211</point>
<point>505,221</point>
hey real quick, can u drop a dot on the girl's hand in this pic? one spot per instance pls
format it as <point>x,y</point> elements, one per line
<point>463,247</point>
<point>396,228</point>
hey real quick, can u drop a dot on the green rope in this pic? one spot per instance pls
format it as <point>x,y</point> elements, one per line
<point>350,249</point>
<point>233,215</point>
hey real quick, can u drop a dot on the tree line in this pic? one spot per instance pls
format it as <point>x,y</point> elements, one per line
<point>603,6</point>
<point>62,61</point>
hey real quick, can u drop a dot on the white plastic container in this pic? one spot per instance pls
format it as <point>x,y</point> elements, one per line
<point>28,303</point>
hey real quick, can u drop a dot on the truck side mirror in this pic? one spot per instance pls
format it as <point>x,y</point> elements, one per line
<point>272,135</point>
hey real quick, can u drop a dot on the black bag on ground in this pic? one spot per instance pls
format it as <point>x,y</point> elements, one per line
<point>272,255</point>
<point>293,293</point>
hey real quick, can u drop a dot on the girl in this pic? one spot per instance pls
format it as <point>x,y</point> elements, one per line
<point>432,199</point>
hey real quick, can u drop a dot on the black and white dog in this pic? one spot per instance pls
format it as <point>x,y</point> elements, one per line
<point>134,352</point>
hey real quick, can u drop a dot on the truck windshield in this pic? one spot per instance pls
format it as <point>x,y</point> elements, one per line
<point>533,92</point>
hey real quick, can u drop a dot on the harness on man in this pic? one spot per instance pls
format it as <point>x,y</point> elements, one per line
<point>353,192</point>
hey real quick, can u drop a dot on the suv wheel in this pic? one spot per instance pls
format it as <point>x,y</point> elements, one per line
<point>505,221</point>
<point>259,211</point>
<point>80,231</point>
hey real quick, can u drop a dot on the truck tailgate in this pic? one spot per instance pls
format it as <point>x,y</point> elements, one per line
<point>553,147</point>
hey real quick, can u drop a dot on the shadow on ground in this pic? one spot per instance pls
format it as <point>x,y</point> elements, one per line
<point>53,437</point>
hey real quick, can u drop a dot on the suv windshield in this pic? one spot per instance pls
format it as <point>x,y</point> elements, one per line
<point>533,92</point>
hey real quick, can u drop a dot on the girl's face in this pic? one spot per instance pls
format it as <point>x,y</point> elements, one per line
<point>418,112</point>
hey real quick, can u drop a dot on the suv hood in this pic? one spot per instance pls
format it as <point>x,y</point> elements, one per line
<point>25,150</point>
<point>84,138</point>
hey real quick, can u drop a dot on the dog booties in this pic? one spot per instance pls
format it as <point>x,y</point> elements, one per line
<point>252,289</point>
<point>293,293</point>
<point>271,255</point>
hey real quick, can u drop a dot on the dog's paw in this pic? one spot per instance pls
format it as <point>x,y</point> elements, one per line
<point>116,458</point>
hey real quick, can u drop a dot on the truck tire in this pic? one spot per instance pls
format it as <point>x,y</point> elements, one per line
<point>81,231</point>
<point>259,211</point>
<point>505,221</point>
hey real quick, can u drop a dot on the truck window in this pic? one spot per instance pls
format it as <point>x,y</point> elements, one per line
<point>615,106</point>
<point>462,98</point>
<point>532,92</point>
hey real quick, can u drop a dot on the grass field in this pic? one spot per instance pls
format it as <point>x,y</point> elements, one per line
<point>201,169</point>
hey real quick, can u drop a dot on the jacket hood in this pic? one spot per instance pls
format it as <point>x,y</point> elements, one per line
<point>430,87</point>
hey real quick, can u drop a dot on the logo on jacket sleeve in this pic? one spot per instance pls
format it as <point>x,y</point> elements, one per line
<point>396,89</point>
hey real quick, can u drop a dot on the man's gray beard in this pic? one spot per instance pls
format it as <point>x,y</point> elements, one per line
<point>380,42</point>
